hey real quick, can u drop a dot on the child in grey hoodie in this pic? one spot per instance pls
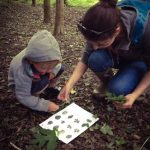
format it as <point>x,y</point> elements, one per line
<point>35,70</point>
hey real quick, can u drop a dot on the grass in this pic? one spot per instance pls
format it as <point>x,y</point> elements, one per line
<point>82,3</point>
<point>75,3</point>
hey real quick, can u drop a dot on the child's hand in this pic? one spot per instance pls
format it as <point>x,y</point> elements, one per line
<point>64,94</point>
<point>51,75</point>
<point>130,98</point>
<point>53,107</point>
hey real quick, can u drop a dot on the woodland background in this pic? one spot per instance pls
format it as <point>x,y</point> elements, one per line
<point>116,129</point>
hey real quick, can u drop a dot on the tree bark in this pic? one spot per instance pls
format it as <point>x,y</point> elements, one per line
<point>59,18</point>
<point>47,10</point>
<point>33,3</point>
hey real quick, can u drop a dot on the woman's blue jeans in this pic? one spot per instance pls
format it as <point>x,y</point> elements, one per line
<point>128,76</point>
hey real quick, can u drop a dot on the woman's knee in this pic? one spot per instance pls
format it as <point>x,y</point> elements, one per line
<point>126,80</point>
<point>100,60</point>
<point>118,88</point>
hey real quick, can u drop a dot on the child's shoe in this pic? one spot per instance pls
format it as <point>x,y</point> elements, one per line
<point>51,93</point>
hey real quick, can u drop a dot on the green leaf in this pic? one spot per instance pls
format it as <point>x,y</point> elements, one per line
<point>32,147</point>
<point>44,138</point>
<point>120,141</point>
<point>52,144</point>
<point>95,127</point>
<point>42,142</point>
<point>95,116</point>
<point>34,141</point>
<point>111,146</point>
<point>60,132</point>
<point>106,129</point>
<point>44,131</point>
<point>112,97</point>
<point>34,129</point>
<point>38,136</point>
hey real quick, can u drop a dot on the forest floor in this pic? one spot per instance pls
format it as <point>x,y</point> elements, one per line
<point>131,127</point>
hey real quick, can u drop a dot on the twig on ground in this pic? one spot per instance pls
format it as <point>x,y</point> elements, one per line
<point>17,122</point>
<point>68,58</point>
<point>74,98</point>
<point>14,146</point>
<point>2,139</point>
<point>145,142</point>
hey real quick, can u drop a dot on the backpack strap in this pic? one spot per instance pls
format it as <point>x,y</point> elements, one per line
<point>142,8</point>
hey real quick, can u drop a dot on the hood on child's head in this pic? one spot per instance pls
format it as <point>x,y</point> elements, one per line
<point>43,47</point>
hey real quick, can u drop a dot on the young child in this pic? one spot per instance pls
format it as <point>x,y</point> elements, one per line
<point>35,70</point>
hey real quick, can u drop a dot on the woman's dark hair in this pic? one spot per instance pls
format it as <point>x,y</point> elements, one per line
<point>100,21</point>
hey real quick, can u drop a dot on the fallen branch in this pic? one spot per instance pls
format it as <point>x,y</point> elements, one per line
<point>14,146</point>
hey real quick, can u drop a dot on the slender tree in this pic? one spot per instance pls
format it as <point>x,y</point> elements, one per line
<point>59,18</point>
<point>47,10</point>
<point>33,3</point>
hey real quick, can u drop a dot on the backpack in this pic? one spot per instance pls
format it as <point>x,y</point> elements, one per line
<point>142,8</point>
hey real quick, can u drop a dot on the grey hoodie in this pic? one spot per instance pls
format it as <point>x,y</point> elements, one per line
<point>42,47</point>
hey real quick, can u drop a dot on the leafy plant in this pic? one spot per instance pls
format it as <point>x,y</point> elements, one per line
<point>112,97</point>
<point>119,141</point>
<point>95,116</point>
<point>111,146</point>
<point>95,127</point>
<point>116,143</point>
<point>106,129</point>
<point>44,138</point>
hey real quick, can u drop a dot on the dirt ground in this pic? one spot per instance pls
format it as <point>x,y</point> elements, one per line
<point>18,22</point>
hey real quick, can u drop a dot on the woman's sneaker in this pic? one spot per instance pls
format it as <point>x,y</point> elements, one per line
<point>99,92</point>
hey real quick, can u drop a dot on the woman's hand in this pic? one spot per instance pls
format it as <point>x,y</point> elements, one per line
<point>64,94</point>
<point>130,99</point>
<point>77,74</point>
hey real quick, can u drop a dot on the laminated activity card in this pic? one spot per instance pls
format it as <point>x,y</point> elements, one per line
<point>70,122</point>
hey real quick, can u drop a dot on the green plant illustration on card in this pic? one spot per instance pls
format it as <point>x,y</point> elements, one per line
<point>85,125</point>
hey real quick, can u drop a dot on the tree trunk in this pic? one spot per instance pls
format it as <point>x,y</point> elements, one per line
<point>59,18</point>
<point>33,3</point>
<point>47,10</point>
